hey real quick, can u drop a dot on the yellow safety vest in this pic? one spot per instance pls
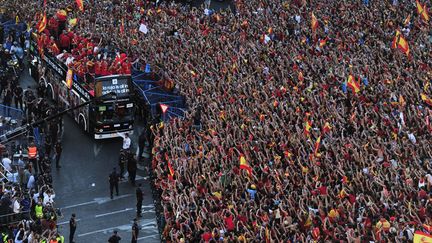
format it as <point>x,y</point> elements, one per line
<point>60,239</point>
<point>39,211</point>
<point>5,237</point>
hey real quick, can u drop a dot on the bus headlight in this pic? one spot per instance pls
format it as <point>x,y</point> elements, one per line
<point>130,126</point>
<point>101,130</point>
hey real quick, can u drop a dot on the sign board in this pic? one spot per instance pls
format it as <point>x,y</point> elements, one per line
<point>118,85</point>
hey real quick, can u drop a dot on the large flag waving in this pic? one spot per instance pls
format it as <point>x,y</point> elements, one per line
<point>317,145</point>
<point>42,23</point>
<point>422,11</point>
<point>426,99</point>
<point>244,164</point>
<point>314,22</point>
<point>80,5</point>
<point>355,86</point>
<point>400,42</point>
<point>420,237</point>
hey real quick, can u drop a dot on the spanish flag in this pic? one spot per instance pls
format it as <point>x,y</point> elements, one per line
<point>42,23</point>
<point>407,20</point>
<point>317,145</point>
<point>355,86</point>
<point>171,171</point>
<point>314,22</point>
<point>300,76</point>
<point>308,126</point>
<point>422,11</point>
<point>400,42</point>
<point>426,99</point>
<point>420,237</point>
<point>244,164</point>
<point>80,5</point>
<point>323,42</point>
<point>267,235</point>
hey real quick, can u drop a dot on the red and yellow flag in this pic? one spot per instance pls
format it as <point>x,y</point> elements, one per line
<point>171,171</point>
<point>267,235</point>
<point>308,126</point>
<point>314,22</point>
<point>317,145</point>
<point>400,42</point>
<point>80,5</point>
<point>420,237</point>
<point>422,11</point>
<point>426,99</point>
<point>244,164</point>
<point>323,42</point>
<point>42,23</point>
<point>355,86</point>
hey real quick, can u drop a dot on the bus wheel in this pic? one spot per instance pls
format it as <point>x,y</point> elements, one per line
<point>82,123</point>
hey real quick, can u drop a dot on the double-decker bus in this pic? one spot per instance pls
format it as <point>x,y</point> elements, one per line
<point>107,116</point>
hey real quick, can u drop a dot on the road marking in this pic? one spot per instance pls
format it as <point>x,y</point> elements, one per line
<point>137,178</point>
<point>67,222</point>
<point>96,149</point>
<point>148,236</point>
<point>114,212</point>
<point>80,204</point>
<point>98,200</point>
<point>126,227</point>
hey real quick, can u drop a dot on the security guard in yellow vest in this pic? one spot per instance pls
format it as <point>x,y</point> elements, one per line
<point>60,238</point>
<point>5,237</point>
<point>39,210</point>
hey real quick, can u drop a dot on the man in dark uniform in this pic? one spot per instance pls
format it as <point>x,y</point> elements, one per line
<point>18,93</point>
<point>114,238</point>
<point>135,231</point>
<point>72,227</point>
<point>58,150</point>
<point>114,180</point>
<point>132,168</point>
<point>124,156</point>
<point>139,197</point>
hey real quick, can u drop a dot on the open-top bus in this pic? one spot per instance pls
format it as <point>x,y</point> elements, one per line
<point>104,118</point>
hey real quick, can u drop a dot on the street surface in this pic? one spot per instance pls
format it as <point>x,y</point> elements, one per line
<point>82,187</point>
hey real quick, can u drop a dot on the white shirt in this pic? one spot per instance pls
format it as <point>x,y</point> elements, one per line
<point>7,164</point>
<point>16,206</point>
<point>126,141</point>
<point>31,182</point>
<point>412,138</point>
<point>48,198</point>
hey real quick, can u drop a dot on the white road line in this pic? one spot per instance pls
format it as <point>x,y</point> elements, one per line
<point>145,223</point>
<point>67,222</point>
<point>114,212</point>
<point>99,200</point>
<point>80,204</point>
<point>148,236</point>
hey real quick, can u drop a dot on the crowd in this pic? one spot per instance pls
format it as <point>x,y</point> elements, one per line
<point>275,146</point>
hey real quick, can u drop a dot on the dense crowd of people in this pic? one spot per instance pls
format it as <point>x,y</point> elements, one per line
<point>275,146</point>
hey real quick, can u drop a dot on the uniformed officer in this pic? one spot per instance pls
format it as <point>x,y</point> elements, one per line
<point>113,181</point>
<point>135,231</point>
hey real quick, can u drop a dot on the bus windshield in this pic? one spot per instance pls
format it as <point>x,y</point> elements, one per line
<point>112,112</point>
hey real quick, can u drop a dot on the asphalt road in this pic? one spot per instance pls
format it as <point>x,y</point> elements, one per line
<point>82,187</point>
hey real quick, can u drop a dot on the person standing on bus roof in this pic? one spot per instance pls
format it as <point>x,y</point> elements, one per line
<point>126,141</point>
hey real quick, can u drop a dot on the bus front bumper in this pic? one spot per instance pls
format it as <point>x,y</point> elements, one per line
<point>111,135</point>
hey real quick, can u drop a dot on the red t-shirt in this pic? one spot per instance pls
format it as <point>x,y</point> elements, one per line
<point>229,223</point>
<point>64,40</point>
<point>206,236</point>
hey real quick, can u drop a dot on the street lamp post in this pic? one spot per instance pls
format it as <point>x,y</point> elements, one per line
<point>4,139</point>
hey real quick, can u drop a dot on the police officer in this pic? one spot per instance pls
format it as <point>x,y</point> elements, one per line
<point>18,94</point>
<point>132,168</point>
<point>114,238</point>
<point>135,231</point>
<point>139,197</point>
<point>72,228</point>
<point>122,161</point>
<point>58,150</point>
<point>113,181</point>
